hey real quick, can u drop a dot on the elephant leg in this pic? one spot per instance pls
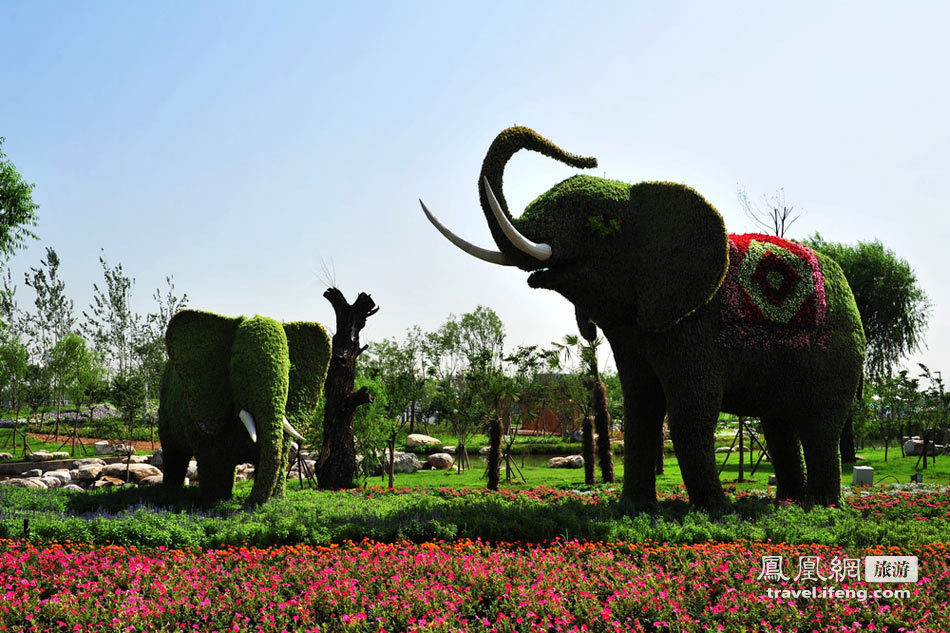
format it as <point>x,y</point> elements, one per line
<point>644,408</point>
<point>820,437</point>
<point>785,452</point>
<point>692,428</point>
<point>215,477</point>
<point>174,465</point>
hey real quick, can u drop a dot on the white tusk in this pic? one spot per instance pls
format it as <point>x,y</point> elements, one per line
<point>291,430</point>
<point>248,421</point>
<point>492,257</point>
<point>538,251</point>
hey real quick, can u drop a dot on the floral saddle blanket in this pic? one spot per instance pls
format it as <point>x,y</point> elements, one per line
<point>773,282</point>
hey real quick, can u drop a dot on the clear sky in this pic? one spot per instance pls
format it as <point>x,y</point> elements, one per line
<point>242,147</point>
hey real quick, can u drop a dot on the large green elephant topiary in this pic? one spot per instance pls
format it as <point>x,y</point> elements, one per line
<point>699,321</point>
<point>236,390</point>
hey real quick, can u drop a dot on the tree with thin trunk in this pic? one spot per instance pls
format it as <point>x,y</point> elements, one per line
<point>588,450</point>
<point>337,466</point>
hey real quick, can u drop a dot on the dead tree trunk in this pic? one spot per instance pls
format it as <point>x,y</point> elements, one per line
<point>338,454</point>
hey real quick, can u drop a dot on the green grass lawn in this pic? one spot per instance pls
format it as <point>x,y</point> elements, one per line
<point>897,469</point>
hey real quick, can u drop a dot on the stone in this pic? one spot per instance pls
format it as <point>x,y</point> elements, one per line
<point>40,456</point>
<point>484,450</point>
<point>151,480</point>
<point>417,440</point>
<point>88,461</point>
<point>108,482</point>
<point>87,472</point>
<point>192,472</point>
<point>122,449</point>
<point>240,477</point>
<point>245,469</point>
<point>405,463</point>
<point>51,482</point>
<point>32,482</point>
<point>139,459</point>
<point>137,472</point>
<point>440,461</point>
<point>6,457</point>
<point>103,448</point>
<point>61,455</point>
<point>448,449</point>
<point>33,472</point>
<point>915,446</point>
<point>571,461</point>
<point>157,459</point>
<point>72,488</point>
<point>60,473</point>
<point>723,449</point>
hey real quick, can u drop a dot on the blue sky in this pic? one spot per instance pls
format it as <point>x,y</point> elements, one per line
<point>244,147</point>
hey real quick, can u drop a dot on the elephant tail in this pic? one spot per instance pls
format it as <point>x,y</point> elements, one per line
<point>505,145</point>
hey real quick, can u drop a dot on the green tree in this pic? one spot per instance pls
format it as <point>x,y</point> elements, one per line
<point>110,324</point>
<point>894,309</point>
<point>82,374</point>
<point>53,318</point>
<point>13,371</point>
<point>17,209</point>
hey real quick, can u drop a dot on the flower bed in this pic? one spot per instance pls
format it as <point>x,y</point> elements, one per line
<point>467,585</point>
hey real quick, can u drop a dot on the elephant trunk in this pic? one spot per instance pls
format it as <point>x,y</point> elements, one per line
<point>490,181</point>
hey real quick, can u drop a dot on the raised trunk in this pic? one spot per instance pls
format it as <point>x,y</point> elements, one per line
<point>338,454</point>
<point>505,145</point>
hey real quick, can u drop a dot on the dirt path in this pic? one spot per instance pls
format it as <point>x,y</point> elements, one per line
<point>140,445</point>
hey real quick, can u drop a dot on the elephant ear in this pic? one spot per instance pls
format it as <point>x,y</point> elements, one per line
<point>681,252</point>
<point>199,349</point>
<point>309,346</point>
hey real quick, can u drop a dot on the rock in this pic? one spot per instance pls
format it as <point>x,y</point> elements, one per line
<point>88,461</point>
<point>577,435</point>
<point>151,480</point>
<point>192,472</point>
<point>108,482</point>
<point>240,477</point>
<point>40,456</point>
<point>87,472</point>
<point>103,448</point>
<point>33,472</point>
<point>139,459</point>
<point>61,455</point>
<point>441,461</point>
<point>6,457</point>
<point>33,482</point>
<point>723,449</point>
<point>245,469</point>
<point>915,446</point>
<point>137,472</point>
<point>416,440</point>
<point>51,482</point>
<point>122,449</point>
<point>157,459</point>
<point>571,461</point>
<point>405,463</point>
<point>62,474</point>
<point>484,450</point>
<point>448,449</point>
<point>72,488</point>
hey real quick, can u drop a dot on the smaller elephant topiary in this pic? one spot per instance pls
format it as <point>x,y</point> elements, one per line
<point>236,390</point>
<point>699,321</point>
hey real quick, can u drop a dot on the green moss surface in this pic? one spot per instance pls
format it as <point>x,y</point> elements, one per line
<point>309,346</point>
<point>199,348</point>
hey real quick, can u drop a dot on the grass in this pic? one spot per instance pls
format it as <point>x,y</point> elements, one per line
<point>6,444</point>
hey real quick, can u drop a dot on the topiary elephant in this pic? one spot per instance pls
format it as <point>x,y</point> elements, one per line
<point>233,392</point>
<point>699,321</point>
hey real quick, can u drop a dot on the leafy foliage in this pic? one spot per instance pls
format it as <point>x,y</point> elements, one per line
<point>17,209</point>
